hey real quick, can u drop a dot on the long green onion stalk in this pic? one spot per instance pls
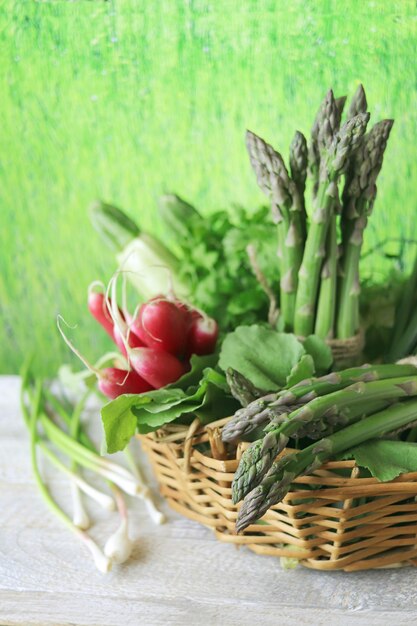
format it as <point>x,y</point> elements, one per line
<point>38,405</point>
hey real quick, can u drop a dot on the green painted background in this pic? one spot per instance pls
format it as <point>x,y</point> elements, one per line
<point>126,100</point>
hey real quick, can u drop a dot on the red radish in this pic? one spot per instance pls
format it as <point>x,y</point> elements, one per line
<point>162,326</point>
<point>132,340</point>
<point>157,367</point>
<point>99,309</point>
<point>202,337</point>
<point>113,382</point>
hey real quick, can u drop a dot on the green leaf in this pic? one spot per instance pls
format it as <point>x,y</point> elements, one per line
<point>149,411</point>
<point>321,353</point>
<point>166,414</point>
<point>119,422</point>
<point>218,402</point>
<point>120,416</point>
<point>385,459</point>
<point>160,399</point>
<point>193,377</point>
<point>261,354</point>
<point>301,370</point>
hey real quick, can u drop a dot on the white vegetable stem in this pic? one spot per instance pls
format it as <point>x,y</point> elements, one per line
<point>79,514</point>
<point>105,468</point>
<point>157,516</point>
<point>119,547</point>
<point>151,267</point>
<point>102,562</point>
<point>101,498</point>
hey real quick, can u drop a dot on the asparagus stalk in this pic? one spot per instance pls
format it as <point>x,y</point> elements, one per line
<point>340,105</point>
<point>358,199</point>
<point>326,308</point>
<point>258,458</point>
<point>299,161</point>
<point>287,209</point>
<point>257,413</point>
<point>333,421</point>
<point>326,124</point>
<point>298,168</point>
<point>407,343</point>
<point>401,343</point>
<point>276,484</point>
<point>358,103</point>
<point>241,388</point>
<point>335,160</point>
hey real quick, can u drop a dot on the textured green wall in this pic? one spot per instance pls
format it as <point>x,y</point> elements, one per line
<point>126,100</point>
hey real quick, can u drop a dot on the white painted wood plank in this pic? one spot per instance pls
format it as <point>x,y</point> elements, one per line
<point>178,573</point>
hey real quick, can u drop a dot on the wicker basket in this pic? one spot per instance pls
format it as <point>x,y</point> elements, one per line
<point>348,522</point>
<point>347,352</point>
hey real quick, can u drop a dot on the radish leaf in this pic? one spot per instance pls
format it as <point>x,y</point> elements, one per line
<point>264,356</point>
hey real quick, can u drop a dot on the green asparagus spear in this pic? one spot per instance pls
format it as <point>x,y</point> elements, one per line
<point>334,420</point>
<point>340,105</point>
<point>299,161</point>
<point>277,482</point>
<point>358,200</point>
<point>326,123</point>
<point>298,168</point>
<point>407,343</point>
<point>258,458</point>
<point>275,182</point>
<point>257,412</point>
<point>401,342</point>
<point>337,154</point>
<point>326,307</point>
<point>358,103</point>
<point>241,388</point>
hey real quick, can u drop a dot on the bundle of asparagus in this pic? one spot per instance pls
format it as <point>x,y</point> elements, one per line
<point>319,251</point>
<point>339,411</point>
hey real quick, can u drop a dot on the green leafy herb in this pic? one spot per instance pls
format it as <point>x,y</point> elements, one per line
<point>207,256</point>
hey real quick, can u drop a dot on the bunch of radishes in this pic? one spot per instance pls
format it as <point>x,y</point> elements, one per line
<point>157,342</point>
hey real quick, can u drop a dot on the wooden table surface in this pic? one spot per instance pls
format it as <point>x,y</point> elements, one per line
<point>178,573</point>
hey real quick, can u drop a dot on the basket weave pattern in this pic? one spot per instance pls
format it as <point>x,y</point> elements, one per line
<point>331,519</point>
